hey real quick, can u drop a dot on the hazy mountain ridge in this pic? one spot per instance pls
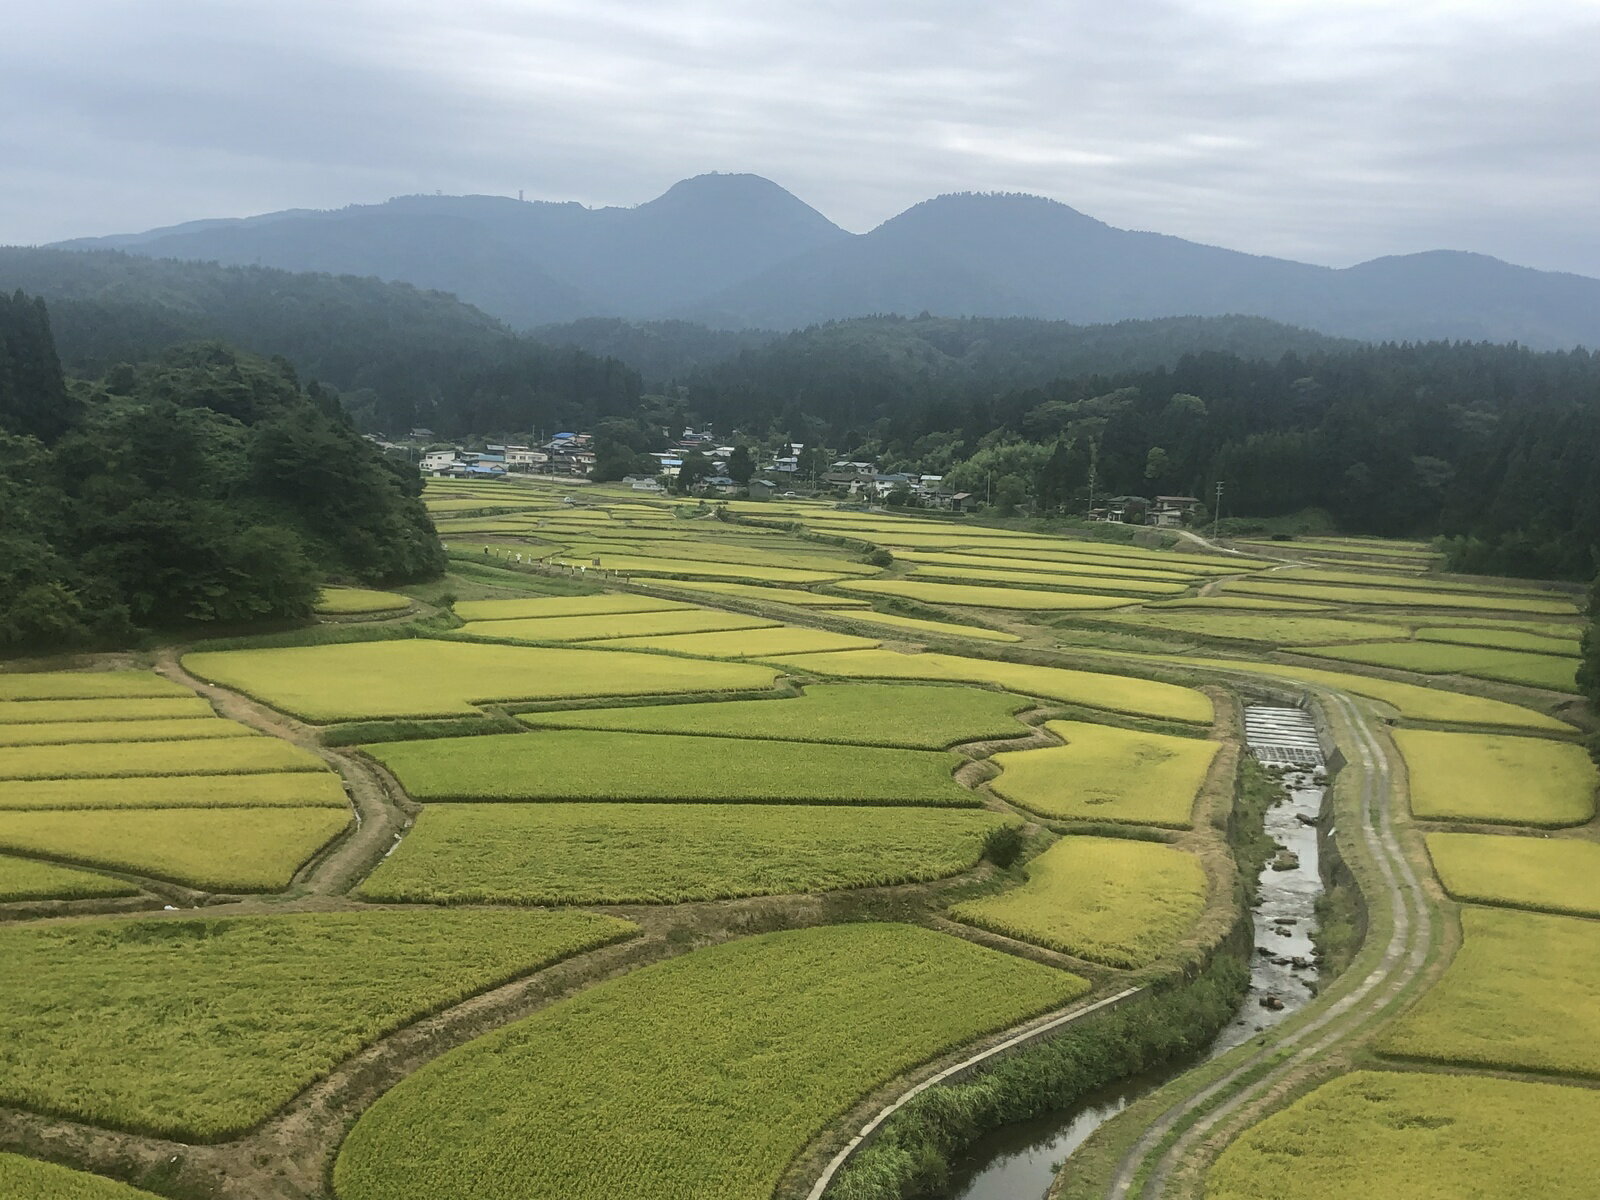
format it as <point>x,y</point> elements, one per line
<point>740,252</point>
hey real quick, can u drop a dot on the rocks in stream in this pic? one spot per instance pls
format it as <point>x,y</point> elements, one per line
<point>1271,1003</point>
<point>1285,860</point>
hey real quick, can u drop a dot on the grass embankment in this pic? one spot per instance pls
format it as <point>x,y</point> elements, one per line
<point>672,1069</point>
<point>104,1016</point>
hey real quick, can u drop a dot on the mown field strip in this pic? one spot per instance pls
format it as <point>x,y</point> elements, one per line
<point>516,1115</point>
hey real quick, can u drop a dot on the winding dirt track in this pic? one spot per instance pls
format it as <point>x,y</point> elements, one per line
<point>1217,1112</point>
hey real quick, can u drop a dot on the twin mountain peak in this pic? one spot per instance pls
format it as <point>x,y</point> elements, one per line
<point>738,251</point>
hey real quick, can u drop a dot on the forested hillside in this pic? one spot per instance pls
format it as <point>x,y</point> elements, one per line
<point>204,487</point>
<point>400,356</point>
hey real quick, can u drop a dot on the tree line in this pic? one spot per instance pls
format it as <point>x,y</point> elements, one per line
<point>204,487</point>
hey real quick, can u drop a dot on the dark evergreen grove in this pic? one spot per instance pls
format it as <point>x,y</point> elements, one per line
<point>207,486</point>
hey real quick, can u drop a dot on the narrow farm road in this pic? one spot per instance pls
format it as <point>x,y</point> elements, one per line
<point>1176,1141</point>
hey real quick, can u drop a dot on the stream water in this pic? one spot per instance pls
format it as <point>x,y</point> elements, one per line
<point>1020,1161</point>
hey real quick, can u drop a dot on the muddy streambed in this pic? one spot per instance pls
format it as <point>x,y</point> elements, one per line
<point>1019,1162</point>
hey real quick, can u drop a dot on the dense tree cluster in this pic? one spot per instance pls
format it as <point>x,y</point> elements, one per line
<point>205,487</point>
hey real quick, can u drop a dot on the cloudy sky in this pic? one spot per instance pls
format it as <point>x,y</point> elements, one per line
<point>1325,130</point>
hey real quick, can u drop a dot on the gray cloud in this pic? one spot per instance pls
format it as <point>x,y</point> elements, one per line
<point>1327,130</point>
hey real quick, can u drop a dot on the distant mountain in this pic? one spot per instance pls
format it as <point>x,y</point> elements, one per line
<point>739,252</point>
<point>527,263</point>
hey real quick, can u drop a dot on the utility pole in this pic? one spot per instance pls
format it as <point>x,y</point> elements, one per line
<point>1216,513</point>
<point>1094,459</point>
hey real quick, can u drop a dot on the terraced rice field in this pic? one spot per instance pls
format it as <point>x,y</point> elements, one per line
<point>917,627</point>
<point>515,1115</point>
<point>87,685</point>
<point>174,729</point>
<point>246,1011</point>
<point>1272,630</point>
<point>1114,693</point>
<point>341,601</point>
<point>1440,658</point>
<point>287,789</point>
<point>1399,597</point>
<point>975,596</point>
<point>1421,1136</point>
<point>928,559</point>
<point>669,853</point>
<point>750,643</point>
<point>25,879</point>
<point>1259,603</point>
<point>1497,779</point>
<point>163,708</point>
<point>414,678</point>
<point>907,715</point>
<point>215,849</point>
<point>618,625</point>
<point>1108,900</point>
<point>752,591</point>
<point>1557,875</point>
<point>26,1179</point>
<point>1108,774</point>
<point>1506,639</point>
<point>1522,993</point>
<point>1408,699</point>
<point>1052,579</point>
<point>642,565</point>
<point>103,760</point>
<point>582,764</point>
<point>564,606</point>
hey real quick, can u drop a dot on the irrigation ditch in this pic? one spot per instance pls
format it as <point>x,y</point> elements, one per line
<point>1206,1011</point>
